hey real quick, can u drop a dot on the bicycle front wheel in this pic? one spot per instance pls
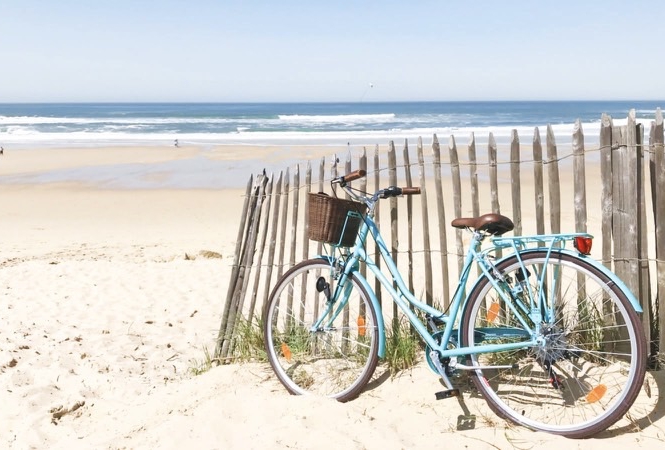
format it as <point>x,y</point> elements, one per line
<point>590,359</point>
<point>317,344</point>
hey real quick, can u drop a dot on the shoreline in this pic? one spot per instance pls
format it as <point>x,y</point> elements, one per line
<point>202,167</point>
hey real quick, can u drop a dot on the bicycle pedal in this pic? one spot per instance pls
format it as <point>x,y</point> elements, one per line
<point>447,394</point>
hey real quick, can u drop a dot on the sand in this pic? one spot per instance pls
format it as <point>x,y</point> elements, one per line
<point>110,297</point>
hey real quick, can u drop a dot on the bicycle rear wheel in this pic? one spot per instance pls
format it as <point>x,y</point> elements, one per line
<point>590,363</point>
<point>334,358</point>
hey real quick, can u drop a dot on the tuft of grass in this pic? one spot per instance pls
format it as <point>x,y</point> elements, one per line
<point>208,254</point>
<point>199,367</point>
<point>248,342</point>
<point>402,347</point>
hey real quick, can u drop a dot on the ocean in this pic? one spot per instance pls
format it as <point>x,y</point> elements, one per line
<point>288,125</point>
<point>104,124</point>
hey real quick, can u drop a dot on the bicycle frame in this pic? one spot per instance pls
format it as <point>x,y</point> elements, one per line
<point>475,255</point>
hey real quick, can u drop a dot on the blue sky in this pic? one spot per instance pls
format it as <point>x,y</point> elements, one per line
<point>247,50</point>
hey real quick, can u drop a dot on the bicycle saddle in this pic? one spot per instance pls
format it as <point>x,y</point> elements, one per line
<point>494,224</point>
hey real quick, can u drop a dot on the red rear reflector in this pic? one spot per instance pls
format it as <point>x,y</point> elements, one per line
<point>583,244</point>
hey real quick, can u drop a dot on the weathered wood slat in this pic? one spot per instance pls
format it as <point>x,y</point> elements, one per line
<point>606,193</point>
<point>283,227</point>
<point>626,215</point>
<point>377,218</point>
<point>457,198</point>
<point>579,184</point>
<point>643,254</point>
<point>305,233</point>
<point>322,176</point>
<point>553,182</point>
<point>305,230</point>
<point>473,176</point>
<point>234,270</point>
<point>394,235</point>
<point>265,215</point>
<point>473,180</point>
<point>658,148</point>
<point>427,255</point>
<point>493,175</point>
<point>245,267</point>
<point>362,164</point>
<point>295,206</point>
<point>515,182</point>
<point>441,214</point>
<point>538,184</point>
<point>409,212</point>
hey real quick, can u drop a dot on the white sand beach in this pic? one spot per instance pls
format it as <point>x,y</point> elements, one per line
<point>109,297</point>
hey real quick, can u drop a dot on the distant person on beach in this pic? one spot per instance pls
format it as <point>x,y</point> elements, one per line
<point>175,143</point>
<point>2,150</point>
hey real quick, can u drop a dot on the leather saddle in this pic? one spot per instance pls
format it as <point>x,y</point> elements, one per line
<point>493,224</point>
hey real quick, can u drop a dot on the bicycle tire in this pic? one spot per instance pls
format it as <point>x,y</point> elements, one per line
<point>591,365</point>
<point>335,361</point>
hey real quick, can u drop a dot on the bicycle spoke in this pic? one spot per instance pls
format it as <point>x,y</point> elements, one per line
<point>588,365</point>
<point>338,357</point>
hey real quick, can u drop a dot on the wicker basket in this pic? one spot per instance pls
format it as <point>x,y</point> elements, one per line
<point>333,220</point>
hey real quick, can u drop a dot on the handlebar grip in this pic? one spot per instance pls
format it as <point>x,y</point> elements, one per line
<point>353,176</point>
<point>410,191</point>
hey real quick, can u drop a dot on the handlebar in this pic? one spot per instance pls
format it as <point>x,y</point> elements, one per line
<point>351,176</point>
<point>392,191</point>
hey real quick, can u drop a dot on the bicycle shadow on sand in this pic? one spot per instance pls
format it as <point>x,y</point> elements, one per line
<point>645,415</point>
<point>646,412</point>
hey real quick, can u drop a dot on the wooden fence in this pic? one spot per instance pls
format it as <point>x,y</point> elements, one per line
<point>618,194</point>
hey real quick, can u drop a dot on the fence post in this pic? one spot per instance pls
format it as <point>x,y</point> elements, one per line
<point>249,242</point>
<point>427,256</point>
<point>377,210</point>
<point>606,195</point>
<point>658,148</point>
<point>457,198</point>
<point>553,182</point>
<point>579,184</point>
<point>363,187</point>
<point>409,210</point>
<point>643,253</point>
<point>538,185</point>
<point>392,176</point>
<point>234,271</point>
<point>625,212</point>
<point>264,234</point>
<point>494,183</point>
<point>515,183</point>
<point>443,243</point>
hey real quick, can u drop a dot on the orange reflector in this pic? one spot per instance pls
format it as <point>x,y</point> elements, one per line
<point>286,351</point>
<point>493,312</point>
<point>583,244</point>
<point>596,393</point>
<point>361,326</point>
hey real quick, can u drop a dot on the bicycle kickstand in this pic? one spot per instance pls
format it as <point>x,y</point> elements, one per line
<point>450,391</point>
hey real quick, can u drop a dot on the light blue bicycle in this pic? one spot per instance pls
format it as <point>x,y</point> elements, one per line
<point>551,338</point>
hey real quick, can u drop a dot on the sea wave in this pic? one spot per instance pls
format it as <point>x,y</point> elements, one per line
<point>27,135</point>
<point>38,120</point>
<point>139,132</point>
<point>341,118</point>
